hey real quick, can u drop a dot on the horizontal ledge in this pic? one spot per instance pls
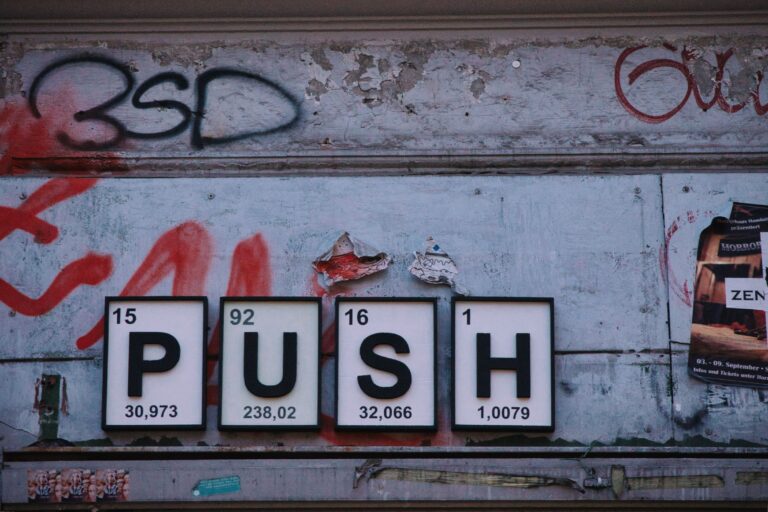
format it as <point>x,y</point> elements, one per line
<point>361,8</point>
<point>47,359</point>
<point>406,164</point>
<point>381,23</point>
<point>230,452</point>
<point>411,505</point>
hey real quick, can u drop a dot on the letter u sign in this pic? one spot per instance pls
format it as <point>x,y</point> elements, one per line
<point>269,375</point>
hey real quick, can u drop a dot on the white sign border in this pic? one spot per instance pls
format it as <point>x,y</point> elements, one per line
<point>435,375</point>
<point>503,428</point>
<point>279,428</point>
<point>204,338</point>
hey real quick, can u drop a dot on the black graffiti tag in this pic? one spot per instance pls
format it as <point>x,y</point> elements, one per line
<point>196,118</point>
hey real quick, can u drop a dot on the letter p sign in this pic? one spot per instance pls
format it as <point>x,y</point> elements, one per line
<point>154,363</point>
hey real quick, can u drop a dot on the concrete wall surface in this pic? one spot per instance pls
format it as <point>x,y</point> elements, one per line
<point>579,164</point>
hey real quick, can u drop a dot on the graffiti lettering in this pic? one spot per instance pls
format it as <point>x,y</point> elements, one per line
<point>97,113</point>
<point>91,270</point>
<point>184,250</point>
<point>687,56</point>
<point>100,113</point>
<point>25,216</point>
<point>181,84</point>
<point>249,275</point>
<point>201,86</point>
<point>22,135</point>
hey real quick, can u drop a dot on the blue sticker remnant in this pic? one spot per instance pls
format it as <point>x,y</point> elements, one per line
<point>213,486</point>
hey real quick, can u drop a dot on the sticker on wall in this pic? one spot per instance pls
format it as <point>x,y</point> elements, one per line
<point>503,364</point>
<point>213,486</point>
<point>269,372</point>
<point>434,266</point>
<point>385,363</point>
<point>77,485</point>
<point>349,259</point>
<point>728,329</point>
<point>154,363</point>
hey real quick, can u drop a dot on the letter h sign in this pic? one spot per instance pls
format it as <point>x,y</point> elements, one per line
<point>503,360</point>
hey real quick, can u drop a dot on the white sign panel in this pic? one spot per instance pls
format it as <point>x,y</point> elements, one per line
<point>385,364</point>
<point>154,363</point>
<point>503,364</point>
<point>746,292</point>
<point>269,369</point>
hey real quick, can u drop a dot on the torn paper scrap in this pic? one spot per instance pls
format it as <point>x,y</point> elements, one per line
<point>350,259</point>
<point>434,266</point>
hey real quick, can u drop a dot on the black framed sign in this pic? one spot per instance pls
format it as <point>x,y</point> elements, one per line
<point>154,363</point>
<point>386,364</point>
<point>269,368</point>
<point>503,364</point>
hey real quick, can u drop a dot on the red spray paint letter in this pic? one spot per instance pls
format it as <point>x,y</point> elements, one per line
<point>184,250</point>
<point>250,274</point>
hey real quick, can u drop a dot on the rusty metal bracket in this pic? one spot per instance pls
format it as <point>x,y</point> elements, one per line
<point>595,481</point>
<point>368,467</point>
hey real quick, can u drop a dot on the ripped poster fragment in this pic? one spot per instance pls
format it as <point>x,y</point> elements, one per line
<point>434,266</point>
<point>349,259</point>
<point>728,335</point>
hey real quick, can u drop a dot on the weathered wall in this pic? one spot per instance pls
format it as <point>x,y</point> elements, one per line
<point>271,163</point>
<point>322,98</point>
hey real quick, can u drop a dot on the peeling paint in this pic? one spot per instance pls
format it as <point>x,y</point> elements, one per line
<point>388,84</point>
<point>192,55</point>
<point>318,55</point>
<point>10,79</point>
<point>431,476</point>
<point>752,478</point>
<point>477,87</point>
<point>645,483</point>
<point>315,89</point>
<point>702,70</point>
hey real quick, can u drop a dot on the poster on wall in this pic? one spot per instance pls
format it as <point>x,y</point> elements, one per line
<point>728,330</point>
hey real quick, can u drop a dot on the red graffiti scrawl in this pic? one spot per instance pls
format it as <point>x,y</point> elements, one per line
<point>23,136</point>
<point>184,250</point>
<point>89,270</point>
<point>25,216</point>
<point>681,66</point>
<point>250,275</point>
